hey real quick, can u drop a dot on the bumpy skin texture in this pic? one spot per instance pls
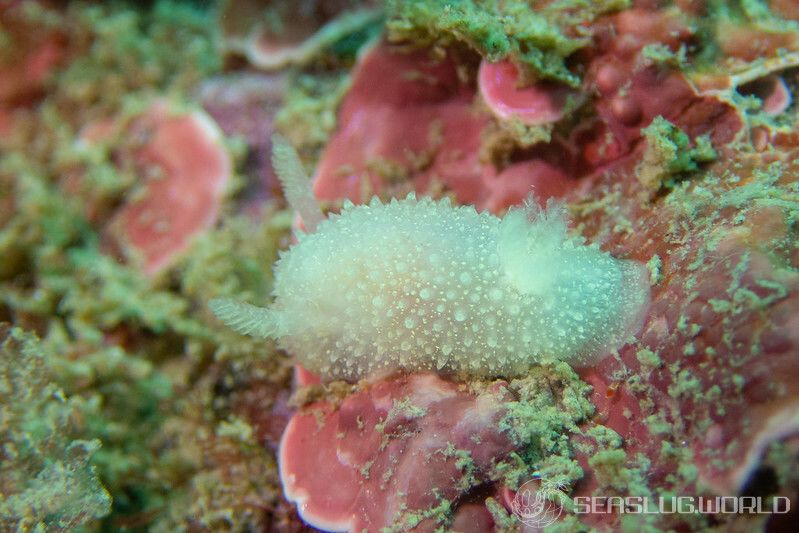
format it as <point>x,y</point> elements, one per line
<point>420,285</point>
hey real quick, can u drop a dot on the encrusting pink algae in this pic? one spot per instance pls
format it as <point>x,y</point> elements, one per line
<point>654,138</point>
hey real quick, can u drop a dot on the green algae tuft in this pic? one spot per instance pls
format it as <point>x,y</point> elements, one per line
<point>47,478</point>
<point>669,155</point>
<point>535,39</point>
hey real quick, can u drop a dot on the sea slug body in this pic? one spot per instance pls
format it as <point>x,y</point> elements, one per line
<point>421,285</point>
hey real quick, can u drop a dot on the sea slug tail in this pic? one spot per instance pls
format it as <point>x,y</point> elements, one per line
<point>296,184</point>
<point>245,318</point>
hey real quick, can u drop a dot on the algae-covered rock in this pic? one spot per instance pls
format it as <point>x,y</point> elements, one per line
<point>47,481</point>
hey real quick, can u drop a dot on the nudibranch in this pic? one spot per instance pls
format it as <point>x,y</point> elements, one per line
<point>416,285</point>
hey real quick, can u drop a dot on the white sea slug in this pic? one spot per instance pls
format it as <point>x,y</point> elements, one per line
<point>422,285</point>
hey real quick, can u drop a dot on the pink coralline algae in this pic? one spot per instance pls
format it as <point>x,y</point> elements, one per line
<point>772,91</point>
<point>393,453</point>
<point>711,379</point>
<point>712,375</point>
<point>634,89</point>
<point>25,67</point>
<point>184,168</point>
<point>421,126</point>
<point>541,103</point>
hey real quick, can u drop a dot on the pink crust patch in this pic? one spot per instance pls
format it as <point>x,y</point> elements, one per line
<point>772,91</point>
<point>33,55</point>
<point>6,123</point>
<point>184,168</point>
<point>633,90</point>
<point>725,331</point>
<point>725,383</point>
<point>541,103</point>
<point>422,125</point>
<point>392,451</point>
